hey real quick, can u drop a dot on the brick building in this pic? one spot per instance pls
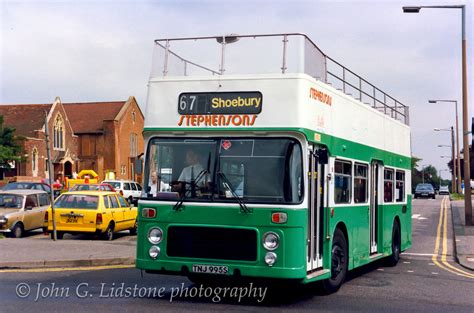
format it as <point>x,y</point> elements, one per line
<point>103,136</point>
<point>29,122</point>
<point>110,136</point>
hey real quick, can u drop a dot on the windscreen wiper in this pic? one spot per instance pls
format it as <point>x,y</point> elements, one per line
<point>193,185</point>
<point>243,206</point>
<point>190,190</point>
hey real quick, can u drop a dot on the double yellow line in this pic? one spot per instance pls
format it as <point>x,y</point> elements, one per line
<point>443,231</point>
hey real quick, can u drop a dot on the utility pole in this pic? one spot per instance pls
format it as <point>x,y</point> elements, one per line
<point>453,183</point>
<point>50,174</point>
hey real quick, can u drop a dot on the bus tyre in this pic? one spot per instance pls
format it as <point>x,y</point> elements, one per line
<point>393,259</point>
<point>339,263</point>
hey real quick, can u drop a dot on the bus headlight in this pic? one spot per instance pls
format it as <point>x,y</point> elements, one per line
<point>270,258</point>
<point>271,241</point>
<point>155,235</point>
<point>154,252</point>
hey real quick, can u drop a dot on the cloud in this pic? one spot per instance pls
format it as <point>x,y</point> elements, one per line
<point>102,50</point>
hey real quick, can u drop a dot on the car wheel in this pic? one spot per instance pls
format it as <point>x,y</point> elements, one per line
<point>109,233</point>
<point>393,259</point>
<point>339,263</point>
<point>133,231</point>
<point>17,231</point>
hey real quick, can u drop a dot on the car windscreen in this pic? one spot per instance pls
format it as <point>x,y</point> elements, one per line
<point>114,184</point>
<point>9,201</point>
<point>12,186</point>
<point>85,187</point>
<point>68,201</point>
<point>424,188</point>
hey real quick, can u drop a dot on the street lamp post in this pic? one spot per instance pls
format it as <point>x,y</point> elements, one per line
<point>453,185</point>
<point>458,156</point>
<point>467,168</point>
<point>439,176</point>
<point>453,177</point>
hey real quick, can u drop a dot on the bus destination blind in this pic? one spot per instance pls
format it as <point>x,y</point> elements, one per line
<point>220,103</point>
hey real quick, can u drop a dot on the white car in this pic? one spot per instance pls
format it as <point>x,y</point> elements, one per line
<point>127,188</point>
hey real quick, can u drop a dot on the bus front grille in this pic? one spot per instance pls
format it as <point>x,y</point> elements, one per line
<point>212,243</point>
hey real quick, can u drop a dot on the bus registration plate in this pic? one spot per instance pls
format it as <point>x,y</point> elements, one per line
<point>210,269</point>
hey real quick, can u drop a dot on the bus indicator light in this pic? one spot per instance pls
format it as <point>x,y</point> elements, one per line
<point>279,218</point>
<point>149,213</point>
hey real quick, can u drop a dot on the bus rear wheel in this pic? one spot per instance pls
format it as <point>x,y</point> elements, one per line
<point>393,259</point>
<point>339,263</point>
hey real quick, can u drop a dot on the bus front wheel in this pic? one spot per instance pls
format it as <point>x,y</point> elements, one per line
<point>339,263</point>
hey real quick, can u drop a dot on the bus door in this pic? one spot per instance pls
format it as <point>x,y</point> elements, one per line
<point>375,170</point>
<point>316,158</point>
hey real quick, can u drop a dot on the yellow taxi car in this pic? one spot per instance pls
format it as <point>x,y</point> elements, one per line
<point>100,212</point>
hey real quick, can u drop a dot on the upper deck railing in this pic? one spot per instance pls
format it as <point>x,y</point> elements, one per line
<point>266,54</point>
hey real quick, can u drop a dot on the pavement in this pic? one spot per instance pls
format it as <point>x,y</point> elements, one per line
<point>463,236</point>
<point>39,251</point>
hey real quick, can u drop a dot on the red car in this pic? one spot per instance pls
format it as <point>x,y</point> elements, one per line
<point>101,187</point>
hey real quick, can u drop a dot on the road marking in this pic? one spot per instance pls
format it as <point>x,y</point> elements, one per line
<point>443,218</point>
<point>418,217</point>
<point>417,254</point>
<point>434,273</point>
<point>64,269</point>
<point>406,262</point>
<point>410,271</point>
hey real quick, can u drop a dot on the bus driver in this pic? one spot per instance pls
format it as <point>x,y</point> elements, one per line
<point>193,172</point>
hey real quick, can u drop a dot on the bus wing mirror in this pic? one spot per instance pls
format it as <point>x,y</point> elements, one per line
<point>323,156</point>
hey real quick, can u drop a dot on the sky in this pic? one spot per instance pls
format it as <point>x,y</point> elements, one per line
<point>102,50</point>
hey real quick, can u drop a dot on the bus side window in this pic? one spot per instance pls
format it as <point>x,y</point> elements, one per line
<point>400,186</point>
<point>342,181</point>
<point>388,185</point>
<point>360,183</point>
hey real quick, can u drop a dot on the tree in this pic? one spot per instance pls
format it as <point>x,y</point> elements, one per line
<point>427,174</point>
<point>10,145</point>
<point>415,174</point>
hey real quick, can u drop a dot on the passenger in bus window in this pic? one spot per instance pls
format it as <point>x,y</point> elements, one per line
<point>193,172</point>
<point>154,184</point>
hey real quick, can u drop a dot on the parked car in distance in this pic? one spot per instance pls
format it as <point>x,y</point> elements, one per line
<point>129,189</point>
<point>22,210</point>
<point>85,187</point>
<point>444,190</point>
<point>27,185</point>
<point>101,212</point>
<point>424,191</point>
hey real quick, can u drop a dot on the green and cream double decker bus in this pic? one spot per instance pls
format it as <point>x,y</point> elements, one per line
<point>265,158</point>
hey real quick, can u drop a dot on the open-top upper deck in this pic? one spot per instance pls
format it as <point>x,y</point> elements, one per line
<point>285,54</point>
